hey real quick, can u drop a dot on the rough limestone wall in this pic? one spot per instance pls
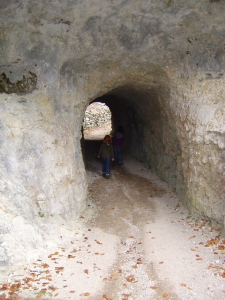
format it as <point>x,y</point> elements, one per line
<point>201,133</point>
<point>161,147</point>
<point>40,176</point>
<point>150,127</point>
<point>181,136</point>
<point>58,56</point>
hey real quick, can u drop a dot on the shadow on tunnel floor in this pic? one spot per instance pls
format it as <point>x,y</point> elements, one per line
<point>90,149</point>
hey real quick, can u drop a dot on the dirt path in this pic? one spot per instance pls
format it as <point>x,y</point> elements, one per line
<point>135,241</point>
<point>162,251</point>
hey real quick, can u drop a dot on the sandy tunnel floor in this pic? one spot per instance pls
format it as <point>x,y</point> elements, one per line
<point>135,241</point>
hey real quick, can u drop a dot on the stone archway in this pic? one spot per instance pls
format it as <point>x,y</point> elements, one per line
<point>151,134</point>
<point>165,113</point>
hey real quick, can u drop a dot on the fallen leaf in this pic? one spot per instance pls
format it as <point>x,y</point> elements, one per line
<point>98,242</point>
<point>223,274</point>
<point>139,261</point>
<point>5,286</point>
<point>58,269</point>
<point>212,242</point>
<point>72,291</point>
<point>86,271</point>
<point>165,295</point>
<point>52,288</point>
<point>183,284</point>
<point>214,229</point>
<point>221,247</point>
<point>15,287</point>
<point>106,297</point>
<point>130,278</point>
<point>153,287</point>
<point>86,294</point>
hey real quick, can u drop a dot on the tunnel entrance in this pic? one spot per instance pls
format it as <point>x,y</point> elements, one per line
<point>97,123</point>
<point>151,134</point>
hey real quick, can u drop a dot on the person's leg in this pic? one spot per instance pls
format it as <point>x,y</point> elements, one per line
<point>107,166</point>
<point>115,148</point>
<point>120,159</point>
<point>103,166</point>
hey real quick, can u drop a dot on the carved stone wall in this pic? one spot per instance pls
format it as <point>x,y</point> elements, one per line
<point>158,65</point>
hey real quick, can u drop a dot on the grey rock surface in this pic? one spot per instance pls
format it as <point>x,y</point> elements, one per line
<point>158,65</point>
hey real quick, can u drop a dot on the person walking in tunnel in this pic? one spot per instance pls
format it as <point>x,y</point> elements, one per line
<point>118,141</point>
<point>107,154</point>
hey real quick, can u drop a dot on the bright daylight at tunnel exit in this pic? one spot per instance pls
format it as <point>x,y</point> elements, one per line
<point>112,150</point>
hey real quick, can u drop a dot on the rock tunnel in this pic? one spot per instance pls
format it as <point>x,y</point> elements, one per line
<point>158,65</point>
<point>150,129</point>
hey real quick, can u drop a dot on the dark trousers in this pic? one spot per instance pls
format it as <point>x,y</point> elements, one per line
<point>106,165</point>
<point>118,154</point>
